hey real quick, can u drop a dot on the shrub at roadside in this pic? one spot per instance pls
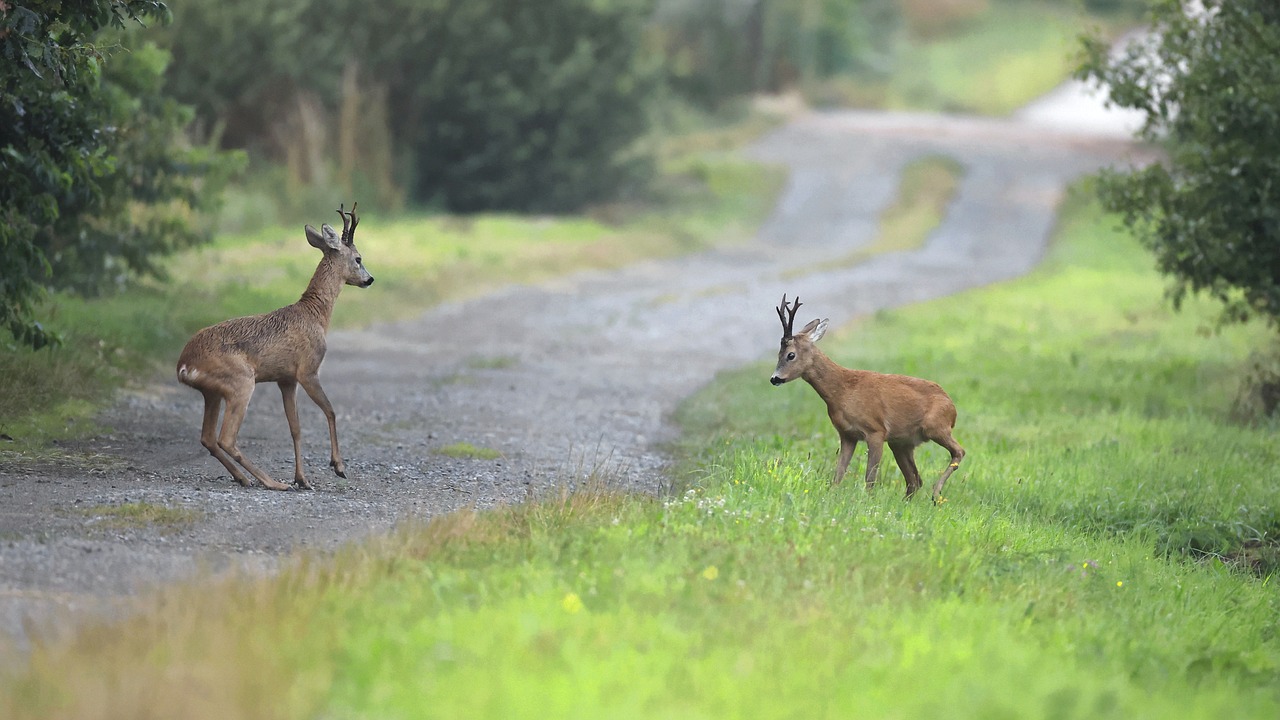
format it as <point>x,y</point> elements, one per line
<point>95,181</point>
<point>1208,79</point>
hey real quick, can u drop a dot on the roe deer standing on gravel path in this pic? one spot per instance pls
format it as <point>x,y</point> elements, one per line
<point>226,360</point>
<point>870,406</point>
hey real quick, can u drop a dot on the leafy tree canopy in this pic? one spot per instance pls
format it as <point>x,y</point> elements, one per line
<point>1208,78</point>
<point>486,104</point>
<point>93,181</point>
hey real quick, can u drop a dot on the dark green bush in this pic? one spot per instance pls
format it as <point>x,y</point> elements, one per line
<point>1208,80</point>
<point>94,183</point>
<point>483,104</point>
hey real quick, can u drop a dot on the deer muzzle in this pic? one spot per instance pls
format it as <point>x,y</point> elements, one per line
<point>776,380</point>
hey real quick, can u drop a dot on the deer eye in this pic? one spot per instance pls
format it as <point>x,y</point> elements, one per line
<point>791,356</point>
<point>359,261</point>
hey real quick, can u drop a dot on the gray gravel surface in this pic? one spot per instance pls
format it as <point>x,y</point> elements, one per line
<point>563,378</point>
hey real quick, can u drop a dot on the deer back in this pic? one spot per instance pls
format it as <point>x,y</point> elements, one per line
<point>903,407</point>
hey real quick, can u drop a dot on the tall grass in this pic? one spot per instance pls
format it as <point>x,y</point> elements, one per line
<point>1050,585</point>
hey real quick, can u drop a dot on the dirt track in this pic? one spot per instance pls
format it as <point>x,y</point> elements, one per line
<point>561,377</point>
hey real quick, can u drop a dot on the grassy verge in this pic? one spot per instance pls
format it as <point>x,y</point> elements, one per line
<point>418,261</point>
<point>970,56</point>
<point>1090,555</point>
<point>139,515</point>
<point>467,450</point>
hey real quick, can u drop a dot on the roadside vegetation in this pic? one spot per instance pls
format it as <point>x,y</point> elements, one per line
<point>139,514</point>
<point>987,57</point>
<point>1099,551</point>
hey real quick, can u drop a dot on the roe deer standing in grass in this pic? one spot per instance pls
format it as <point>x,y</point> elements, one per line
<point>225,361</point>
<point>870,406</point>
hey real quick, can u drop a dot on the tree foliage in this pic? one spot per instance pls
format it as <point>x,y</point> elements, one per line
<point>488,103</point>
<point>491,104</point>
<point>1208,79</point>
<point>92,185</point>
<point>717,50</point>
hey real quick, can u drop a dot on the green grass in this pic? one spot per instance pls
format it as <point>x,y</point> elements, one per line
<point>467,450</point>
<point>139,515</point>
<point>1014,53</point>
<point>1089,562</point>
<point>990,64</point>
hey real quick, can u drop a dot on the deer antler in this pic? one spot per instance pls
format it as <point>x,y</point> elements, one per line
<point>345,222</point>
<point>351,234</point>
<point>787,314</point>
<point>349,222</point>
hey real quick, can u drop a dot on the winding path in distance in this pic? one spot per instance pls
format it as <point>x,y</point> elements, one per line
<point>562,377</point>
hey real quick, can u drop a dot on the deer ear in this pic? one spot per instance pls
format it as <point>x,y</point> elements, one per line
<point>323,239</point>
<point>815,330</point>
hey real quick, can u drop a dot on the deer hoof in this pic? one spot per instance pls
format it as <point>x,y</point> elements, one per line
<point>302,483</point>
<point>339,470</point>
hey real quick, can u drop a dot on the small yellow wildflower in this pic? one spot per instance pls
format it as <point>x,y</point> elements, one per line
<point>711,573</point>
<point>1119,583</point>
<point>572,603</point>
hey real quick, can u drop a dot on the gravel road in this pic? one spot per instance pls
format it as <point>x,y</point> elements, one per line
<point>562,378</point>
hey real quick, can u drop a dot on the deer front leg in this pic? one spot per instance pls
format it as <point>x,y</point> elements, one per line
<point>875,450</point>
<point>289,393</point>
<point>312,385</point>
<point>847,446</point>
<point>237,404</point>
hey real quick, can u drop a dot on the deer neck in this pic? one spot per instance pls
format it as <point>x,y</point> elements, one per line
<point>322,292</point>
<point>824,375</point>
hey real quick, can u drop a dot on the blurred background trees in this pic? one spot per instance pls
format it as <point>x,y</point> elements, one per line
<point>486,104</point>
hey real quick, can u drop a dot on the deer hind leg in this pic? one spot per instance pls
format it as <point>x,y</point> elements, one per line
<point>905,454</point>
<point>312,385</point>
<point>289,393</point>
<point>237,404</point>
<point>209,436</point>
<point>957,454</point>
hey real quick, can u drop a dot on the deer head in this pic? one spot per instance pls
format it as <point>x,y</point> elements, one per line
<point>341,249</point>
<point>796,353</point>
